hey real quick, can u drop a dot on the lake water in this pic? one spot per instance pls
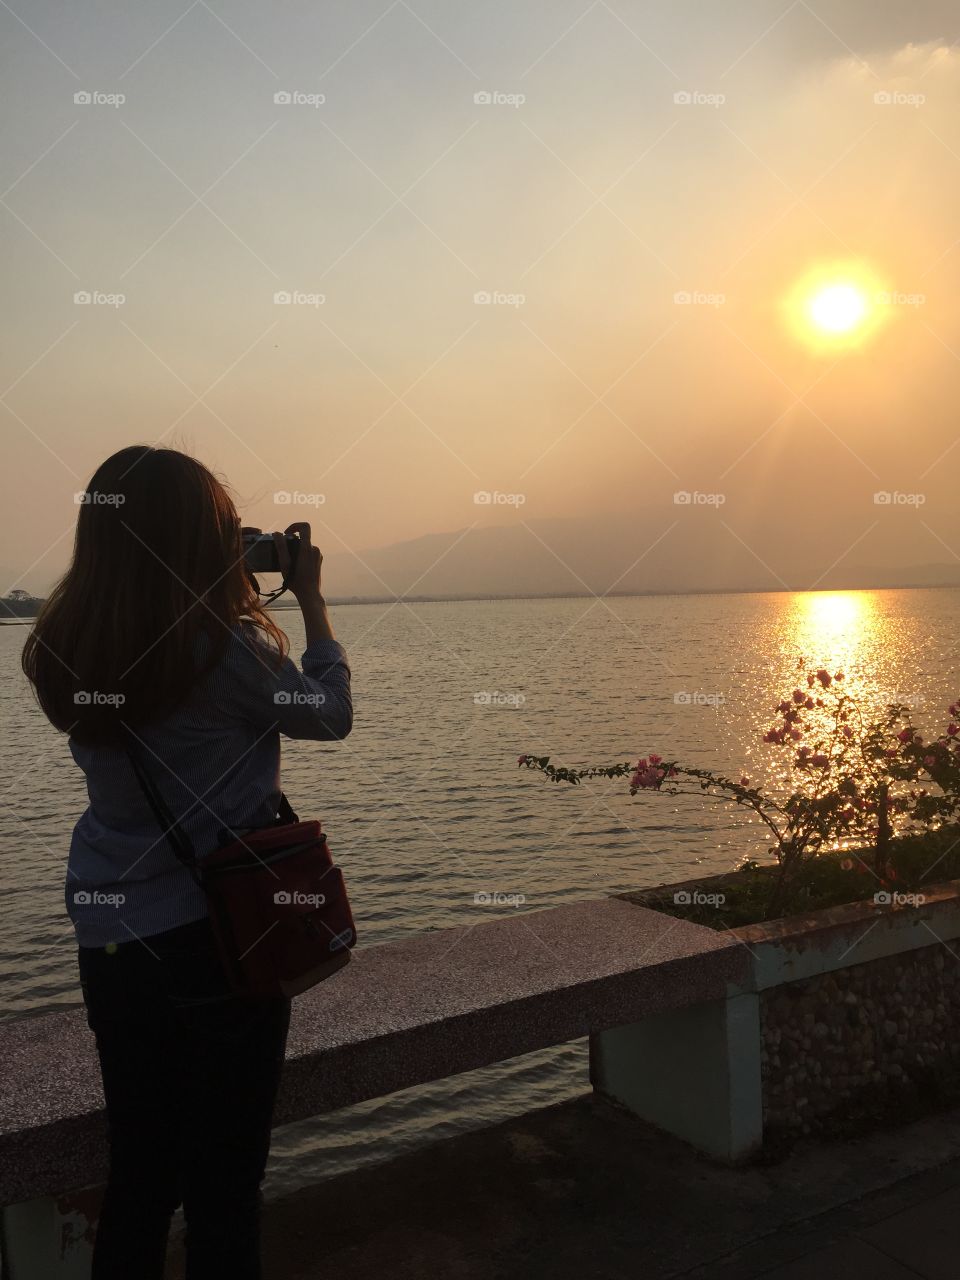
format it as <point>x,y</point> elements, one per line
<point>426,808</point>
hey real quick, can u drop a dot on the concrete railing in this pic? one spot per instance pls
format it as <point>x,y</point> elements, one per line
<point>401,1014</point>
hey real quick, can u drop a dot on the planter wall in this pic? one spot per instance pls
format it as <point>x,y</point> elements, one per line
<point>849,1017</point>
<point>853,1047</point>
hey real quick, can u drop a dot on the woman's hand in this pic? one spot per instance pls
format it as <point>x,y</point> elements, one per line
<point>304,580</point>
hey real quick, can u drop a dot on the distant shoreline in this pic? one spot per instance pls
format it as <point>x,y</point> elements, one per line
<point>623,595</point>
<point>344,601</point>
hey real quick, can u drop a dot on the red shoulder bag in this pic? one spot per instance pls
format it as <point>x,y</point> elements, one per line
<point>278,903</point>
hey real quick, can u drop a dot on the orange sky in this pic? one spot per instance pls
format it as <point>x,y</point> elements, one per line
<point>630,156</point>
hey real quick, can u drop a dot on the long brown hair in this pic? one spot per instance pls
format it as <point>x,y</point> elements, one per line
<point>146,607</point>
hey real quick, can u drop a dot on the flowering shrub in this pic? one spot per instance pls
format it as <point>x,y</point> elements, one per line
<point>849,781</point>
<point>935,761</point>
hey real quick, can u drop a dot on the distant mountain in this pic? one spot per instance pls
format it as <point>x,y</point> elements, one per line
<point>919,575</point>
<point>666,552</point>
<point>669,549</point>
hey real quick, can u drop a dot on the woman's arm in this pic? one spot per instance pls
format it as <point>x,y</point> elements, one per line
<point>312,703</point>
<point>316,702</point>
<point>316,620</point>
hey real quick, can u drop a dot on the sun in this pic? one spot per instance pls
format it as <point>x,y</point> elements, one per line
<point>836,307</point>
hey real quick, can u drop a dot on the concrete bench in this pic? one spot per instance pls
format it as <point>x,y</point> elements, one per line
<point>403,1013</point>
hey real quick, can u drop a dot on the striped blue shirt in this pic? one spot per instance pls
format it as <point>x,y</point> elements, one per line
<point>216,762</point>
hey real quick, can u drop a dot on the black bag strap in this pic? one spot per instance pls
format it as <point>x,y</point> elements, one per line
<point>285,812</point>
<point>176,836</point>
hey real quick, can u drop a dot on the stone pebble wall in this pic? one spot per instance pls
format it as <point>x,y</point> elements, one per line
<point>875,1041</point>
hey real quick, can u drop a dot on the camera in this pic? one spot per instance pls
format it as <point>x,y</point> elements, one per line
<point>260,552</point>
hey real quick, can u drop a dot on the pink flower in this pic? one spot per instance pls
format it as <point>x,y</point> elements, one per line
<point>825,678</point>
<point>798,697</point>
<point>905,735</point>
<point>796,735</point>
<point>929,761</point>
<point>838,676</point>
<point>744,781</point>
<point>810,704</point>
<point>890,751</point>
<point>953,730</point>
<point>820,760</point>
<point>810,680</point>
<point>647,778</point>
<point>655,759</point>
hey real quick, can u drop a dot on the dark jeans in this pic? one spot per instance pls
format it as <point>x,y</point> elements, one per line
<point>190,1074</point>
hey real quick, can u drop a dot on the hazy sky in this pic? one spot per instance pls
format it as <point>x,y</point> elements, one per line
<point>585,197</point>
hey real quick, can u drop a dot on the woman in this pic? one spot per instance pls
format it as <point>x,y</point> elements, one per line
<point>156,633</point>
